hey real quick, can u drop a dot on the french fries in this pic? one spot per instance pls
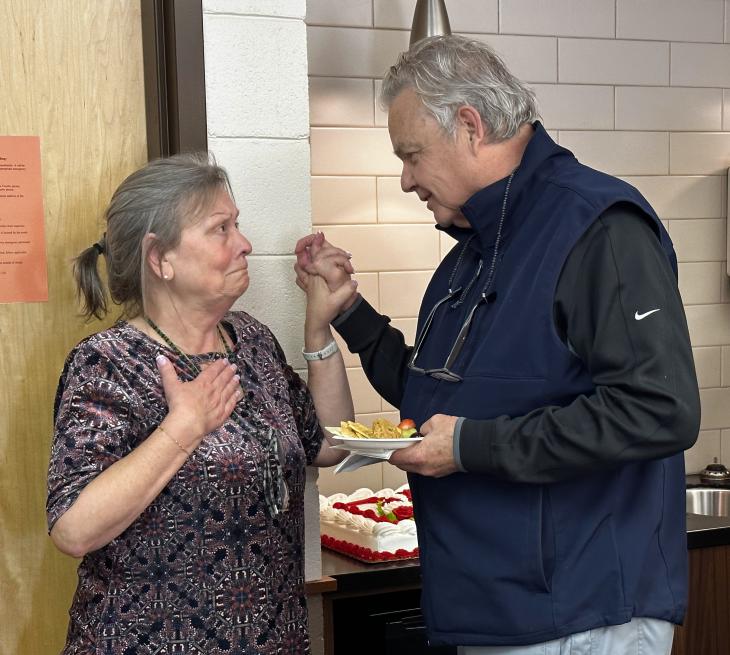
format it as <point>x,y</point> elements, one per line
<point>381,429</point>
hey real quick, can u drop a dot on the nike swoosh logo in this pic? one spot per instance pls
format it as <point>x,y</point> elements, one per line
<point>640,317</point>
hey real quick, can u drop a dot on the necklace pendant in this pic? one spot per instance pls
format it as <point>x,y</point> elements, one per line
<point>284,491</point>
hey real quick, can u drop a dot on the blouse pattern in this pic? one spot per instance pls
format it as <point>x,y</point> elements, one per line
<point>204,569</point>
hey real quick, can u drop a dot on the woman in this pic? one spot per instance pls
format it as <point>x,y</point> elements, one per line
<point>181,434</point>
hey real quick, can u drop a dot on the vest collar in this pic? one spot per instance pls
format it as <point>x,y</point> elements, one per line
<point>484,208</point>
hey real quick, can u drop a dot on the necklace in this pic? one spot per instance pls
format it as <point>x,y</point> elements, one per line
<point>271,473</point>
<point>194,368</point>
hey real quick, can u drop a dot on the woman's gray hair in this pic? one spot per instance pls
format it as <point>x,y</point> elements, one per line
<point>162,198</point>
<point>448,72</point>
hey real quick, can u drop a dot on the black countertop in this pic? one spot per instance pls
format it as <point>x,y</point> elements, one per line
<point>357,577</point>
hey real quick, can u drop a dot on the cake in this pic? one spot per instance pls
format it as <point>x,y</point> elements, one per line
<point>372,526</point>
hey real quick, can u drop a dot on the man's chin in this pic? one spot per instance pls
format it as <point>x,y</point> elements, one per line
<point>449,219</point>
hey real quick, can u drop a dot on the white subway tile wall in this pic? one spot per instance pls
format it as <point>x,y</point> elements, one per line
<point>558,17</point>
<point>640,90</point>
<point>341,101</point>
<point>620,153</point>
<point>668,108</point>
<point>613,61</point>
<point>670,20</point>
<point>708,363</point>
<point>698,153</point>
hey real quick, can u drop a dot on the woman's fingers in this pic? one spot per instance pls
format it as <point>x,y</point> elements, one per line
<point>224,380</point>
<point>302,247</point>
<point>307,248</point>
<point>214,393</point>
<point>235,393</point>
<point>301,278</point>
<point>234,388</point>
<point>314,246</point>
<point>170,381</point>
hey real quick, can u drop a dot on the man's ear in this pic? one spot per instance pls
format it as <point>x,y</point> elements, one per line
<point>470,121</point>
<point>152,256</point>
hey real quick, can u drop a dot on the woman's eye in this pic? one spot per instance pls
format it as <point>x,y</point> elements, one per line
<point>238,225</point>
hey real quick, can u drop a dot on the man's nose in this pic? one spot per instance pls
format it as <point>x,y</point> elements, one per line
<point>407,182</point>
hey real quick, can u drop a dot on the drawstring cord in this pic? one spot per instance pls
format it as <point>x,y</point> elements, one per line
<point>495,255</point>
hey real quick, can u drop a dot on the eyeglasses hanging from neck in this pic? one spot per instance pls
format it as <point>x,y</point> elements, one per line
<point>486,296</point>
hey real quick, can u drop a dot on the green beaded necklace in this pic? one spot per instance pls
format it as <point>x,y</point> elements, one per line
<point>194,368</point>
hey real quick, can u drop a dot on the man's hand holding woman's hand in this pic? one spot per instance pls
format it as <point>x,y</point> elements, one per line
<point>201,405</point>
<point>316,256</point>
<point>324,272</point>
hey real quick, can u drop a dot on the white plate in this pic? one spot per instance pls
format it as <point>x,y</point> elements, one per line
<point>362,444</point>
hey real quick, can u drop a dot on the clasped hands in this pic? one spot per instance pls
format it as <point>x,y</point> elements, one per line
<point>324,272</point>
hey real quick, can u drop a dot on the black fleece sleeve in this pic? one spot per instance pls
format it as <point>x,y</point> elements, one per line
<point>618,308</point>
<point>382,349</point>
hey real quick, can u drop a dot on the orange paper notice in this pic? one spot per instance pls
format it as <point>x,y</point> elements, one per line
<point>23,273</point>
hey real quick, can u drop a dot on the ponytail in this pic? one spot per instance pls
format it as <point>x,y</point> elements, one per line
<point>89,286</point>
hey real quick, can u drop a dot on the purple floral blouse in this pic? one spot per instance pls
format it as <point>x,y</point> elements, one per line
<point>205,569</point>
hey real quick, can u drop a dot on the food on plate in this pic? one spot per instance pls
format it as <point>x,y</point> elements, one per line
<point>381,429</point>
<point>407,427</point>
<point>355,429</point>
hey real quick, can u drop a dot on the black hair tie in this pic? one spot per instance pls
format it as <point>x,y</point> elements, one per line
<point>100,245</point>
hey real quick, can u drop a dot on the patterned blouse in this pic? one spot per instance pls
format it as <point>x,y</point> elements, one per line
<point>205,569</point>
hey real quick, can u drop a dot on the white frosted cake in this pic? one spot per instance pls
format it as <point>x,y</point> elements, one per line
<point>372,526</point>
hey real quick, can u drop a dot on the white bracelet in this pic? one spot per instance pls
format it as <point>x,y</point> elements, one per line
<point>329,350</point>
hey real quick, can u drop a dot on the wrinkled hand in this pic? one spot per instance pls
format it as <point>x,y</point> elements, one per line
<point>316,256</point>
<point>202,405</point>
<point>434,456</point>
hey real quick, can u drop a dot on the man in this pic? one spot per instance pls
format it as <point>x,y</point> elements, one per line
<point>552,376</point>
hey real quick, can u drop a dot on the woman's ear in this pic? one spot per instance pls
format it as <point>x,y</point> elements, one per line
<point>155,260</point>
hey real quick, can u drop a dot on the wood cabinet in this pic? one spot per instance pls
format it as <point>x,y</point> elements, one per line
<point>706,629</point>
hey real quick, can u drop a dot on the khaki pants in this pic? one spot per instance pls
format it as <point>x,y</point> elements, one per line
<point>637,637</point>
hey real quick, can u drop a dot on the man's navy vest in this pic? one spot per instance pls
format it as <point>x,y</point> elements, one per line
<point>514,563</point>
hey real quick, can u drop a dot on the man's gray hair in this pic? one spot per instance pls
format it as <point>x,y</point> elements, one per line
<point>448,72</point>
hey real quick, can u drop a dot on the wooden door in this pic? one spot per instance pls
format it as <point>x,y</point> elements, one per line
<point>71,73</point>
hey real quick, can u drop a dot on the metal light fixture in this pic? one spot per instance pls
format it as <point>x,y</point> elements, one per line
<point>429,19</point>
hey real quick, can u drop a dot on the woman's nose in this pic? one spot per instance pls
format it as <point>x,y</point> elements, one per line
<point>246,246</point>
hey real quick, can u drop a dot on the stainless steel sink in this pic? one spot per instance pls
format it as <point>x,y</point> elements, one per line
<point>709,502</point>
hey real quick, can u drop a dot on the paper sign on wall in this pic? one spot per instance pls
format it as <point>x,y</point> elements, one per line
<point>23,272</point>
